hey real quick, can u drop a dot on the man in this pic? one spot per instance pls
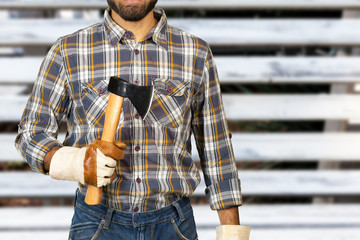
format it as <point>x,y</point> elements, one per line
<point>145,195</point>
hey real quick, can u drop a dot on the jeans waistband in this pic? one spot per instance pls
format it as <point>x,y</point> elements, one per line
<point>174,210</point>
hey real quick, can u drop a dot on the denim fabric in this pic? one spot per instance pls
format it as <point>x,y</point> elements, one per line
<point>175,221</point>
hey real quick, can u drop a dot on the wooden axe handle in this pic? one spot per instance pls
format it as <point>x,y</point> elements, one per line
<point>112,117</point>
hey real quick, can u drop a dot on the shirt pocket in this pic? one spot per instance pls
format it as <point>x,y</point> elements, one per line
<point>94,97</point>
<point>169,102</point>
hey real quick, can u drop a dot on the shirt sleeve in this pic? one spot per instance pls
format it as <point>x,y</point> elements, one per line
<point>213,142</point>
<point>47,104</point>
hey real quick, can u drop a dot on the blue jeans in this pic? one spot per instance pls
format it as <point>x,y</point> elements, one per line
<point>175,221</point>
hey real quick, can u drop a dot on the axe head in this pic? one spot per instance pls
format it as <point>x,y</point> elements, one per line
<point>139,96</point>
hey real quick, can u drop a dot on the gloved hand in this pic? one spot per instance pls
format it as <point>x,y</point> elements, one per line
<point>94,164</point>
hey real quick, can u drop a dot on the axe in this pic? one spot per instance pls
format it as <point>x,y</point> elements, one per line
<point>140,97</point>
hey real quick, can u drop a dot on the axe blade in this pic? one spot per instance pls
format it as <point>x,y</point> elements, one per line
<point>139,96</point>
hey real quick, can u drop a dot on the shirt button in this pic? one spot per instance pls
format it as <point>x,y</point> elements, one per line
<point>114,41</point>
<point>101,90</point>
<point>136,51</point>
<point>137,115</point>
<point>169,90</point>
<point>137,148</point>
<point>136,209</point>
<point>137,82</point>
<point>230,135</point>
<point>138,180</point>
<point>127,35</point>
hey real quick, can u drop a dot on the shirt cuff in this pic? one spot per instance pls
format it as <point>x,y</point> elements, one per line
<point>37,148</point>
<point>224,194</point>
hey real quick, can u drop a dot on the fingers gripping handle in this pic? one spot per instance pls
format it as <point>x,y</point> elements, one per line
<point>112,117</point>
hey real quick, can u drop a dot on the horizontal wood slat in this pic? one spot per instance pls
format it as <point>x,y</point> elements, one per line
<point>296,146</point>
<point>310,233</point>
<point>188,4</point>
<point>291,106</point>
<point>264,32</point>
<point>249,107</point>
<point>288,69</point>
<point>254,183</point>
<point>293,233</point>
<point>260,146</point>
<point>256,215</point>
<point>232,69</point>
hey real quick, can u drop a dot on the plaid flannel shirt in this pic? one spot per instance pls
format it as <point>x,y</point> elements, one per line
<point>158,168</point>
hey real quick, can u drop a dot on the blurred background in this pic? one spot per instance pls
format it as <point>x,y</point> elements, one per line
<point>289,72</point>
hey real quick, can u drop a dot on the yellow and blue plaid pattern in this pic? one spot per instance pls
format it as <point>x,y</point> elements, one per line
<point>157,168</point>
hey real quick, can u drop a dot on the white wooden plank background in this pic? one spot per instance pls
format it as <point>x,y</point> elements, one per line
<point>253,182</point>
<point>247,107</point>
<point>259,147</point>
<point>190,4</point>
<point>287,215</point>
<point>264,32</point>
<point>291,106</point>
<point>5,51</point>
<point>296,146</point>
<point>30,184</point>
<point>288,69</point>
<point>37,235</point>
<point>233,69</point>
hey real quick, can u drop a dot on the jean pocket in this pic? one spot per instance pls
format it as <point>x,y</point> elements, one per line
<point>170,102</point>
<point>177,230</point>
<point>86,230</point>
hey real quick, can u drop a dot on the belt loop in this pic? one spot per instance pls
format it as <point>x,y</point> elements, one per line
<point>179,210</point>
<point>76,196</point>
<point>133,220</point>
<point>108,218</point>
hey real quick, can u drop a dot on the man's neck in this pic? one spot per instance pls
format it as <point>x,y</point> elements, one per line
<point>140,29</point>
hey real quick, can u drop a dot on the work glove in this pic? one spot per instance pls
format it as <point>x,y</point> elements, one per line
<point>233,232</point>
<point>94,164</point>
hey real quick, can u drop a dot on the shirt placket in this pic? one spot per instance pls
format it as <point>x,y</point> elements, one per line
<point>138,132</point>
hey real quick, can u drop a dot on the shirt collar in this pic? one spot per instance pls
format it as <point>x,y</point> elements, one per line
<point>158,33</point>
